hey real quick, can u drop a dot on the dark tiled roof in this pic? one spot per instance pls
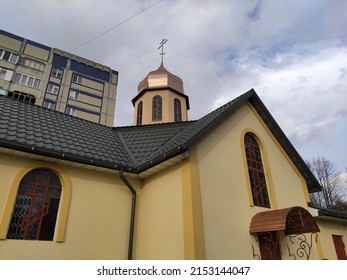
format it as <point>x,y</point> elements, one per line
<point>32,128</point>
<point>38,130</point>
<point>329,212</point>
<point>333,213</point>
<point>143,141</point>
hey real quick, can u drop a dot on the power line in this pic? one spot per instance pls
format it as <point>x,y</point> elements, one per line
<point>239,50</point>
<point>115,26</point>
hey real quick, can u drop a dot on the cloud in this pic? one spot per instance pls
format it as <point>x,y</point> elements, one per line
<point>254,14</point>
<point>292,53</point>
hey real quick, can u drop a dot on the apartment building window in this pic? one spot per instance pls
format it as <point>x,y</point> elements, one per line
<point>74,94</point>
<point>31,63</point>
<point>26,80</point>
<point>2,73</point>
<point>8,56</point>
<point>26,97</point>
<point>6,74</point>
<point>76,79</point>
<point>49,104</point>
<point>56,72</point>
<point>70,111</point>
<point>53,89</point>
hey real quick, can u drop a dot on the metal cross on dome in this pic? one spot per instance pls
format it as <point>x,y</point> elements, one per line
<point>163,41</point>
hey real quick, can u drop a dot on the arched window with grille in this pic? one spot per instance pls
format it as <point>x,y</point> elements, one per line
<point>36,206</point>
<point>177,110</point>
<point>256,172</point>
<point>139,113</point>
<point>157,108</point>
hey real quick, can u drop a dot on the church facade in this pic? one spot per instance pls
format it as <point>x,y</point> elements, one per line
<point>229,185</point>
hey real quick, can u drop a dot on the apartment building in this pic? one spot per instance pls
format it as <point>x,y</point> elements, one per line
<point>56,79</point>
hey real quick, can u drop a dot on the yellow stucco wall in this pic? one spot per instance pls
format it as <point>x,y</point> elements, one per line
<point>168,97</point>
<point>168,225</point>
<point>227,208</point>
<point>329,228</point>
<point>98,219</point>
<point>159,226</point>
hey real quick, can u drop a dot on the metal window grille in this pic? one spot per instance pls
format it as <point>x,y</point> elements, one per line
<point>36,207</point>
<point>256,172</point>
<point>269,245</point>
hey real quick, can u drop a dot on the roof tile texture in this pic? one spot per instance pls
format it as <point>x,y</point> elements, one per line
<point>38,130</point>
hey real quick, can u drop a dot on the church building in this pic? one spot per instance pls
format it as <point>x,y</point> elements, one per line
<point>229,185</point>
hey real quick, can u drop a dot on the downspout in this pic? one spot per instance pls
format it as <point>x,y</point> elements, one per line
<point>132,218</point>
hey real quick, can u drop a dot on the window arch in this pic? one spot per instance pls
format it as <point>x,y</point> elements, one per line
<point>157,108</point>
<point>256,172</point>
<point>177,110</point>
<point>139,113</point>
<point>36,206</point>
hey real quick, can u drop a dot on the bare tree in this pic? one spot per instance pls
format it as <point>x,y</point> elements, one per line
<point>331,196</point>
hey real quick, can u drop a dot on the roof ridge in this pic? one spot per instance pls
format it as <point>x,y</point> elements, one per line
<point>224,112</point>
<point>192,133</point>
<point>151,124</point>
<point>127,150</point>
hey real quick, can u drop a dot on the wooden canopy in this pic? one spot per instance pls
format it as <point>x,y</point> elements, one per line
<point>293,220</point>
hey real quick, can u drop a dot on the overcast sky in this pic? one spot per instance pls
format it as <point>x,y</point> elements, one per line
<point>293,53</point>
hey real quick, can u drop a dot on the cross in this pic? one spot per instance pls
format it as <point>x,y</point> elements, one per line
<point>163,41</point>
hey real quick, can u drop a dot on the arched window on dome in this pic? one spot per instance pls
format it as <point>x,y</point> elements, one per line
<point>36,206</point>
<point>139,113</point>
<point>177,110</point>
<point>157,108</point>
<point>256,172</point>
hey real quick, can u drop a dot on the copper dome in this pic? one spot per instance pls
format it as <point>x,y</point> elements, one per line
<point>161,78</point>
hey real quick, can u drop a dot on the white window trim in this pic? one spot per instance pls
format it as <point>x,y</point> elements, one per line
<point>71,111</point>
<point>48,104</point>
<point>74,94</point>
<point>56,72</point>
<point>3,73</point>
<point>13,58</point>
<point>53,89</point>
<point>76,78</point>
<point>26,80</point>
<point>33,64</point>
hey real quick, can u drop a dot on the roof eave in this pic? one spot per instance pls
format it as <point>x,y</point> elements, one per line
<point>31,149</point>
<point>197,137</point>
<point>312,183</point>
<point>161,158</point>
<point>157,89</point>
